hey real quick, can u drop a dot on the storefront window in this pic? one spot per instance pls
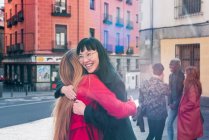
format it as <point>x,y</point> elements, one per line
<point>43,73</point>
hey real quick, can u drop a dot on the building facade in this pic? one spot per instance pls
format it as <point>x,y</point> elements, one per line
<point>37,33</point>
<point>183,32</point>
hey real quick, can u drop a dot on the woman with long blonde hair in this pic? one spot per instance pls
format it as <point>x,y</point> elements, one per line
<point>90,90</point>
<point>189,116</point>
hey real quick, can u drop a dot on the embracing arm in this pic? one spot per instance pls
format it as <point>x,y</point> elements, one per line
<point>58,93</point>
<point>101,94</point>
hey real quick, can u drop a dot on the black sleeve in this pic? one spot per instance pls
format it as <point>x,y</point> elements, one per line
<point>58,93</point>
<point>99,117</point>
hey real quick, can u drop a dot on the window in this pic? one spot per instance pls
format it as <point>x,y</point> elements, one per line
<point>21,4</point>
<point>106,39</point>
<point>61,36</point>
<point>92,4</point>
<point>187,7</point>
<point>106,9</point>
<point>128,64</point>
<point>137,42</point>
<point>61,3</point>
<point>137,64</point>
<point>60,6</point>
<point>118,67</point>
<point>137,18</point>
<point>22,35</point>
<point>189,54</point>
<point>92,32</point>
<point>128,16</point>
<point>128,41</point>
<point>118,12</point>
<point>10,39</point>
<point>15,9</point>
<point>191,6</point>
<point>10,13</point>
<point>16,37</point>
<point>118,39</point>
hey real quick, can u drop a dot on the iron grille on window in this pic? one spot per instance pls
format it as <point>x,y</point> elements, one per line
<point>187,7</point>
<point>189,54</point>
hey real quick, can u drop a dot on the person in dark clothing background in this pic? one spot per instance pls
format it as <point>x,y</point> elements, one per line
<point>176,80</point>
<point>113,129</point>
<point>153,100</point>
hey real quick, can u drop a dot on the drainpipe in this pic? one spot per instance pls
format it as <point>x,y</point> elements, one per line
<point>152,31</point>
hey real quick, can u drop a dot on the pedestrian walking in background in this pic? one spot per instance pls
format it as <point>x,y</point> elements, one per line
<point>154,92</point>
<point>69,126</point>
<point>190,125</point>
<point>176,80</point>
<point>94,59</point>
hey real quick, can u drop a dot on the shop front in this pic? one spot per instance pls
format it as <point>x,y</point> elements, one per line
<point>36,73</point>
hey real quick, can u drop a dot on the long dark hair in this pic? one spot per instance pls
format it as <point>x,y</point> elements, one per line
<point>106,71</point>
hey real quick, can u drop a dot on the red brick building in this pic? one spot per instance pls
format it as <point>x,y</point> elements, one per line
<point>38,32</point>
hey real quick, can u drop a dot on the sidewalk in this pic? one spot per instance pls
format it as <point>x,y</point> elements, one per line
<point>43,129</point>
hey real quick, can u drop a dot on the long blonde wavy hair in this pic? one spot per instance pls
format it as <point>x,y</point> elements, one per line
<point>70,71</point>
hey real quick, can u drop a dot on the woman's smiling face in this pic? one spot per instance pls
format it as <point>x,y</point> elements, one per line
<point>89,59</point>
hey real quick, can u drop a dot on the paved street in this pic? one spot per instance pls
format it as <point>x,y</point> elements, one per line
<point>42,129</point>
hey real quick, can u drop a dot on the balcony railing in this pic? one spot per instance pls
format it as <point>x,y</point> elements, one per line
<point>60,48</point>
<point>119,22</point>
<point>61,10</point>
<point>119,49</point>
<point>129,25</point>
<point>109,48</point>
<point>129,2</point>
<point>107,19</point>
<point>130,50</point>
<point>20,47</point>
<point>9,23</point>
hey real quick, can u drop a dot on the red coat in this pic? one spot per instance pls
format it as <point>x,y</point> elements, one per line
<point>189,121</point>
<point>89,90</point>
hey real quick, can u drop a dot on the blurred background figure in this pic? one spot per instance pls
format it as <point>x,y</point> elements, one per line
<point>176,79</point>
<point>189,115</point>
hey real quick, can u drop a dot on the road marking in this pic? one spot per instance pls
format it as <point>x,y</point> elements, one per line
<point>25,104</point>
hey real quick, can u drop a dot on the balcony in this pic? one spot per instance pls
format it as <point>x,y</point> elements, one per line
<point>8,50</point>
<point>9,23</point>
<point>119,49</point>
<point>20,16</point>
<point>61,10</point>
<point>107,19</point>
<point>119,22</point>
<point>60,48</point>
<point>130,51</point>
<point>14,20</point>
<point>129,2</point>
<point>130,25</point>
<point>109,48</point>
<point>20,47</point>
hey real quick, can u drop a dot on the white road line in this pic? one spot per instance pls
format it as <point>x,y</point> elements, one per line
<point>25,104</point>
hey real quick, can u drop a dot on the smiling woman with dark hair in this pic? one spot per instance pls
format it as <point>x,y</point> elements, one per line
<point>94,59</point>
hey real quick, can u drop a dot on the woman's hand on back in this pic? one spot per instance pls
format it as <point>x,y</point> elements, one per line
<point>79,107</point>
<point>69,92</point>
